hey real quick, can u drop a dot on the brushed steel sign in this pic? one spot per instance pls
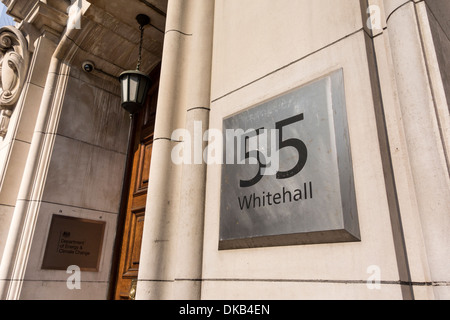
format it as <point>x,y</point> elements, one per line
<point>74,241</point>
<point>288,177</point>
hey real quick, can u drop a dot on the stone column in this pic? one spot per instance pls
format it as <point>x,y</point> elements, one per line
<point>189,249</point>
<point>418,125</point>
<point>171,259</point>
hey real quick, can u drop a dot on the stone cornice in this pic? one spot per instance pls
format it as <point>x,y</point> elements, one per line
<point>19,9</point>
<point>38,18</point>
<point>46,18</point>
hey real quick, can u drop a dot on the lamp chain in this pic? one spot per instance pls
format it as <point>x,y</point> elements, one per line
<point>140,48</point>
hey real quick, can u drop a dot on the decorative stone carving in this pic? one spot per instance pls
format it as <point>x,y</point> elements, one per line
<point>14,58</point>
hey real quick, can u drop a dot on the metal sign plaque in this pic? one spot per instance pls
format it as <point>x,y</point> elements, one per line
<point>74,241</point>
<point>288,176</point>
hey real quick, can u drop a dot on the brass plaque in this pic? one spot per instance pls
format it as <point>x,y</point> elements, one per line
<point>74,241</point>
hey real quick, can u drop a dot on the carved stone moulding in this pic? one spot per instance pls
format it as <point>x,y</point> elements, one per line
<point>14,60</point>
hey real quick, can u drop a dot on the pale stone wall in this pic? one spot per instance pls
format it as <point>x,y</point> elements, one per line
<point>263,49</point>
<point>83,180</point>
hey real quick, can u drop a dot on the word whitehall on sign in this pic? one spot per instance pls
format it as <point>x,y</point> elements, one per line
<point>291,182</point>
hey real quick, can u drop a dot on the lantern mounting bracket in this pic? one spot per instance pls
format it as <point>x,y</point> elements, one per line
<point>143,20</point>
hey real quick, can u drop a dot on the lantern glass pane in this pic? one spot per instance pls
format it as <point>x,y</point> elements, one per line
<point>134,86</point>
<point>143,90</point>
<point>125,88</point>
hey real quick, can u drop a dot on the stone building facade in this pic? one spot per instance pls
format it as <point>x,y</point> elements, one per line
<point>70,155</point>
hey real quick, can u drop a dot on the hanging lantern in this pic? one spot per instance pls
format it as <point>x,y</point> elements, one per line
<point>135,84</point>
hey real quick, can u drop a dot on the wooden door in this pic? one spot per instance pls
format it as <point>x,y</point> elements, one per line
<point>135,198</point>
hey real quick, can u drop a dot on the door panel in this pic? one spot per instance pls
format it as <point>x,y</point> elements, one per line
<point>133,251</point>
<point>145,154</point>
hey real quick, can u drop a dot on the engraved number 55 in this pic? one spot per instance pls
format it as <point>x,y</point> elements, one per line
<point>294,143</point>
